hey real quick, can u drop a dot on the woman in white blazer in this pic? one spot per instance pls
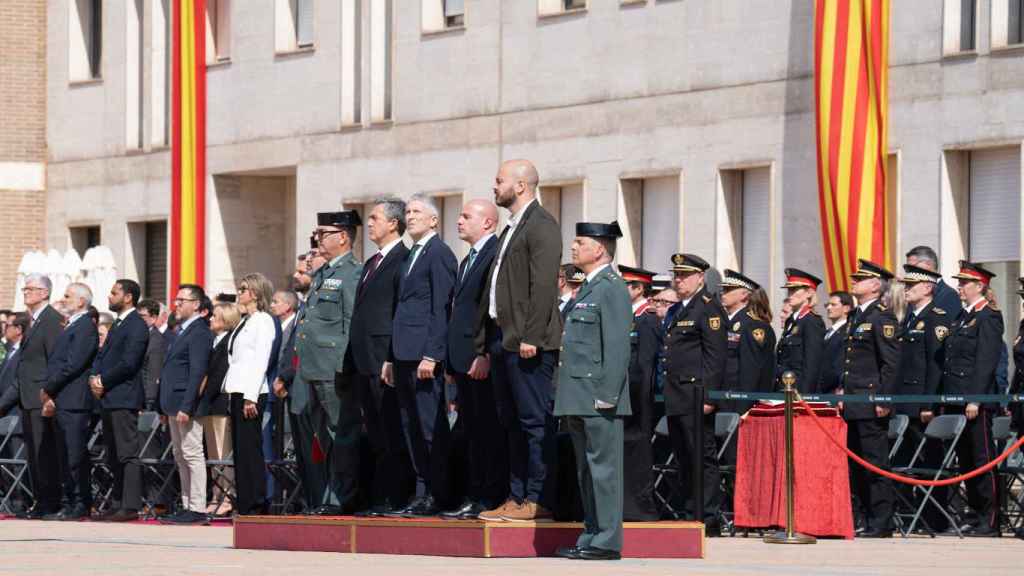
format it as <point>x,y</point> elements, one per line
<point>246,384</point>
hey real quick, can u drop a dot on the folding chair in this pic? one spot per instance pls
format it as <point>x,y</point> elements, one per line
<point>13,470</point>
<point>726,424</point>
<point>897,428</point>
<point>946,429</point>
<point>1011,475</point>
<point>157,470</point>
<point>102,480</point>
<point>666,480</point>
<point>286,473</point>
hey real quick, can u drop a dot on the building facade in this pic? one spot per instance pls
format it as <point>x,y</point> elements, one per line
<point>692,123</point>
<point>22,136</point>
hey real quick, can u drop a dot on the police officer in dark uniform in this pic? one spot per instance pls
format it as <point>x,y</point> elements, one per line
<point>643,339</point>
<point>921,336</point>
<point>802,344</point>
<point>694,354</point>
<point>750,363</point>
<point>972,351</point>
<point>871,366</point>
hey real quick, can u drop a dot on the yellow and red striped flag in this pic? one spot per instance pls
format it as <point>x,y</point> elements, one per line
<point>188,143</point>
<point>851,62</point>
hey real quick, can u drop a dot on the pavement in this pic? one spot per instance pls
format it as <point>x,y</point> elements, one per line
<point>68,548</point>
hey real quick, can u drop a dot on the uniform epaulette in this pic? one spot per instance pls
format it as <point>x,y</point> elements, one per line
<point>938,310</point>
<point>707,299</point>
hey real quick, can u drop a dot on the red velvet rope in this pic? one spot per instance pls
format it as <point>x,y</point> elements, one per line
<point>906,479</point>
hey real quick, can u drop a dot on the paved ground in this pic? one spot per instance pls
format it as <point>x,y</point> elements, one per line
<point>28,547</point>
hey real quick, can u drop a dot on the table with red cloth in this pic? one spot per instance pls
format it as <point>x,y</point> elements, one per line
<point>821,486</point>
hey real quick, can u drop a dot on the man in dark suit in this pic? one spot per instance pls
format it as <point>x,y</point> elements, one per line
<point>285,307</point>
<point>486,487</point>
<point>66,393</point>
<point>871,361</point>
<point>182,373</point>
<point>837,309</point>
<point>695,354</point>
<point>117,382</point>
<point>522,332</point>
<point>14,332</point>
<point>41,434</point>
<point>419,349</point>
<point>368,349</point>
<point>149,310</point>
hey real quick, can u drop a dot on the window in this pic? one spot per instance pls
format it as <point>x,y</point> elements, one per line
<point>351,61</point>
<point>649,217</point>
<point>160,74</point>
<point>960,26</point>
<point>565,203</point>
<point>744,241</point>
<point>380,60</point>
<point>439,15</point>
<point>133,74</point>
<point>1007,23</point>
<point>449,208</point>
<point>218,31</point>
<point>84,237</point>
<point>85,25</point>
<point>553,7</point>
<point>293,25</point>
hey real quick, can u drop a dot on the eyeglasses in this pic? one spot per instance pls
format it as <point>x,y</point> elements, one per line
<point>243,289</point>
<point>321,234</point>
<point>662,302</point>
<point>180,300</point>
<point>31,288</point>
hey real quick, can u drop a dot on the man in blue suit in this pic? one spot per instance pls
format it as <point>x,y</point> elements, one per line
<point>66,396</point>
<point>486,486</point>
<point>183,372</point>
<point>419,348</point>
<point>14,331</point>
<point>117,382</point>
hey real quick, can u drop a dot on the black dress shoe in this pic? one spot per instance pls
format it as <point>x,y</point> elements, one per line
<point>872,533</point>
<point>401,511</point>
<point>124,515</point>
<point>592,553</point>
<point>570,552</point>
<point>328,510</point>
<point>39,513</point>
<point>982,532</point>
<point>465,511</point>
<point>66,514</point>
<point>424,507</point>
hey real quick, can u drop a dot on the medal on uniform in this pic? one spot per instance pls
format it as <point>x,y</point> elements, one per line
<point>758,334</point>
<point>920,325</point>
<point>715,323</point>
<point>941,332</point>
<point>736,327</point>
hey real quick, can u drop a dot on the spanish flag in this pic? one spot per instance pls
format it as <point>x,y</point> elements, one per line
<point>851,61</point>
<point>188,143</point>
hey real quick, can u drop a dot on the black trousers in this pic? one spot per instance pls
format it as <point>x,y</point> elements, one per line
<point>425,426</point>
<point>250,469</point>
<point>869,439</point>
<point>76,473</point>
<point>42,439</point>
<point>486,447</point>
<point>681,434</point>
<point>121,436</point>
<point>524,390</point>
<point>386,482</point>
<point>974,450</point>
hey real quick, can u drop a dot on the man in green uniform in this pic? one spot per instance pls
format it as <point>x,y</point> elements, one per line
<point>320,345</point>
<point>592,389</point>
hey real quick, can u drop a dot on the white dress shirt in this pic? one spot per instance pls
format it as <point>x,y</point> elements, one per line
<point>513,223</point>
<point>835,328</point>
<point>249,357</point>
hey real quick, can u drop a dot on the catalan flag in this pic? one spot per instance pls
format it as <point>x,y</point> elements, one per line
<point>188,142</point>
<point>851,61</point>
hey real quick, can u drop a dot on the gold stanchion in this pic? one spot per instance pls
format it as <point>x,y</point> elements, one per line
<point>789,535</point>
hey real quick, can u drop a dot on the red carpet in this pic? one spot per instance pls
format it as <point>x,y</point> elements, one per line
<point>472,538</point>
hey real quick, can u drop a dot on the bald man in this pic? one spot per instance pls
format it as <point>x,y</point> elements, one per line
<point>522,330</point>
<point>485,486</point>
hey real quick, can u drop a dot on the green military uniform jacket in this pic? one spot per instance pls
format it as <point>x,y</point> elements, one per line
<point>323,332</point>
<point>595,349</point>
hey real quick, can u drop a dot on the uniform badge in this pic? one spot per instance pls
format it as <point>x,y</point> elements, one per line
<point>941,332</point>
<point>684,323</point>
<point>715,322</point>
<point>888,331</point>
<point>736,327</point>
<point>332,283</point>
<point>865,327</point>
<point>758,334</point>
<point>920,325</point>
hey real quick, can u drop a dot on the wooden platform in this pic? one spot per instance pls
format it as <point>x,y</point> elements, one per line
<point>469,538</point>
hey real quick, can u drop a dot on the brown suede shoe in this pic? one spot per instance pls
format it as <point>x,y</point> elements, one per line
<point>528,512</point>
<point>496,514</point>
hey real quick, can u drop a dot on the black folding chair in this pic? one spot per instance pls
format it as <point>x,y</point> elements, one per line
<point>666,479</point>
<point>946,429</point>
<point>1011,474</point>
<point>897,428</point>
<point>13,468</point>
<point>726,424</point>
<point>157,470</point>
<point>286,473</point>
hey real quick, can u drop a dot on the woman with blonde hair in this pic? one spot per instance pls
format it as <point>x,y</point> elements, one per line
<point>249,349</point>
<point>213,401</point>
